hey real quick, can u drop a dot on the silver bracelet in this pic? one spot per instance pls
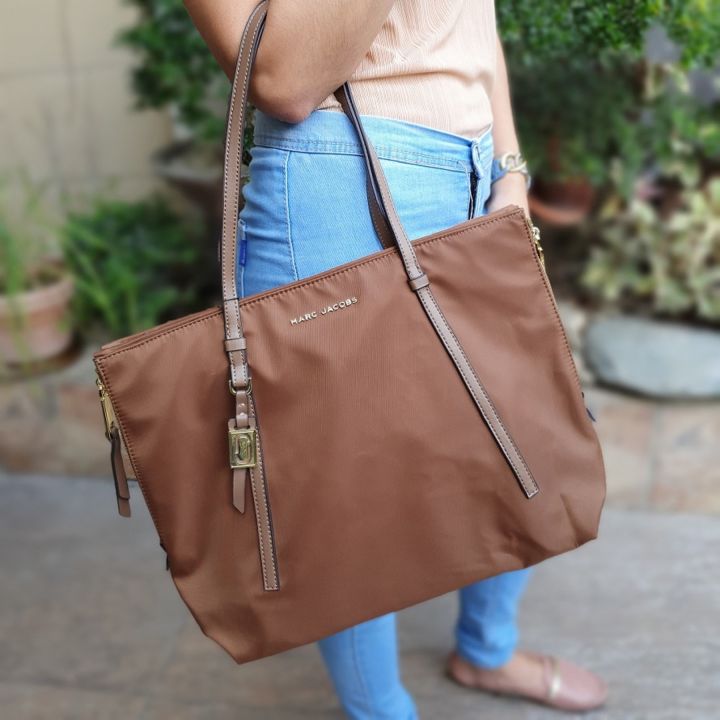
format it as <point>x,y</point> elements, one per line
<point>510,162</point>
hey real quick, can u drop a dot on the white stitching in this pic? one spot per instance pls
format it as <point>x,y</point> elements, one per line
<point>228,145</point>
<point>259,527</point>
<point>266,518</point>
<point>239,371</point>
<point>238,374</point>
<point>379,256</point>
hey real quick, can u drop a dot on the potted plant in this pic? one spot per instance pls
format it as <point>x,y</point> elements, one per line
<point>579,73</point>
<point>568,150</point>
<point>35,286</point>
<point>655,260</point>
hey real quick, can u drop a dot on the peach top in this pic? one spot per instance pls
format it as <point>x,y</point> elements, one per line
<point>433,63</point>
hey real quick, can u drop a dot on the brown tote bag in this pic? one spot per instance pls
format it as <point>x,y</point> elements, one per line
<point>361,440</point>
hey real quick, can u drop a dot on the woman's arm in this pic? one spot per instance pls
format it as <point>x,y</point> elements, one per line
<point>512,188</point>
<point>309,47</point>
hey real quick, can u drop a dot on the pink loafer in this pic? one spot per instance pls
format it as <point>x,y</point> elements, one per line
<point>556,683</point>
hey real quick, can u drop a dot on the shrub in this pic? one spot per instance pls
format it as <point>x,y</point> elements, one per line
<point>543,30</point>
<point>579,76</point>
<point>667,265</point>
<point>28,257</point>
<point>176,68</point>
<point>134,264</point>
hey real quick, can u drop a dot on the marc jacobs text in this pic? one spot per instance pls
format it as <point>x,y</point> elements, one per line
<point>340,305</point>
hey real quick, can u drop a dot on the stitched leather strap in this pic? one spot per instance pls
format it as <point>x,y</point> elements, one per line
<point>421,286</point>
<point>244,417</point>
<point>122,490</point>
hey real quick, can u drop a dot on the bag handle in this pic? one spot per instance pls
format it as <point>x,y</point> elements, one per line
<point>382,208</point>
<point>385,219</point>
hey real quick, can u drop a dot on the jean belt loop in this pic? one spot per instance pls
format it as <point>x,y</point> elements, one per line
<point>477,159</point>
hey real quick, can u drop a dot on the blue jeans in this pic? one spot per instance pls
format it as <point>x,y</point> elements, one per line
<point>306,211</point>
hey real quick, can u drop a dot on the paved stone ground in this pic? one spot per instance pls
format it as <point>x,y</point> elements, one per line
<point>659,455</point>
<point>91,627</point>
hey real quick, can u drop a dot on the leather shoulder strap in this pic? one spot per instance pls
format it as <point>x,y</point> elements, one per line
<point>384,214</point>
<point>231,195</point>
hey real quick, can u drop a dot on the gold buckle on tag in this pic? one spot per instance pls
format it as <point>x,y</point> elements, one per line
<point>243,448</point>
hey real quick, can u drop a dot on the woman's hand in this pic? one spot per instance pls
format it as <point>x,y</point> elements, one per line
<point>511,189</point>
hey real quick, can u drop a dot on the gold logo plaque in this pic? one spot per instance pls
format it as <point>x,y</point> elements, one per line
<point>243,448</point>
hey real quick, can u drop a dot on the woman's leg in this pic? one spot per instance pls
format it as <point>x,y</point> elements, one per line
<point>363,665</point>
<point>306,211</point>
<point>486,632</point>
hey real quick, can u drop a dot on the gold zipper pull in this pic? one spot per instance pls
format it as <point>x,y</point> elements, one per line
<point>122,491</point>
<point>107,412</point>
<point>535,230</point>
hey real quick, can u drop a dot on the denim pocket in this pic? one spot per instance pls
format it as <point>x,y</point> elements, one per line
<point>428,197</point>
<point>328,218</point>
<point>328,212</point>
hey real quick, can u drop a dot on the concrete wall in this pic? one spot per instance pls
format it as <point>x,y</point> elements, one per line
<point>66,109</point>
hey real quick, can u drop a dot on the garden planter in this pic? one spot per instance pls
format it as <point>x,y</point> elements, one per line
<point>35,325</point>
<point>196,171</point>
<point>561,203</point>
<point>655,358</point>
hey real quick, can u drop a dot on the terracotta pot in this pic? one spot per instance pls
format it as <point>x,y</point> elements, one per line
<point>561,204</point>
<point>45,329</point>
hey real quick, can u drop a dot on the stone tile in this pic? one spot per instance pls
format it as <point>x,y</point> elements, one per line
<point>640,607</point>
<point>628,477</point>
<point>689,427</point>
<point>293,679</point>
<point>45,702</point>
<point>85,599</point>
<point>611,606</point>
<point>623,420</point>
<point>164,709</point>
<point>625,428</point>
<point>88,612</point>
<point>52,424</point>
<point>687,473</point>
<point>683,486</point>
<point>429,626</point>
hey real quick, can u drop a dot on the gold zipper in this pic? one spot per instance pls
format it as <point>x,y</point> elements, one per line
<point>535,232</point>
<point>107,411</point>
